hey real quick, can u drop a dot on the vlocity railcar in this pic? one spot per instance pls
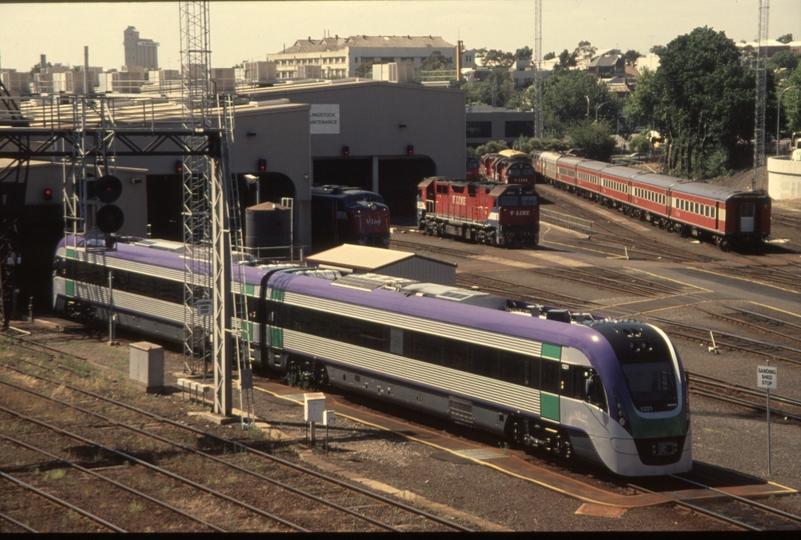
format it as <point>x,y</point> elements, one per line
<point>720,214</point>
<point>613,392</point>
<point>497,214</point>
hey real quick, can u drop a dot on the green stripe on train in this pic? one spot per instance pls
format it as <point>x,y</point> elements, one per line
<point>549,406</point>
<point>551,351</point>
<point>276,336</point>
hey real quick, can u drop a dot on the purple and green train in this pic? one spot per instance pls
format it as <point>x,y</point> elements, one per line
<point>613,392</point>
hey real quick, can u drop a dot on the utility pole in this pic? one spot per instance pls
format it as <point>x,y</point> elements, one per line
<point>761,67</point>
<point>539,112</point>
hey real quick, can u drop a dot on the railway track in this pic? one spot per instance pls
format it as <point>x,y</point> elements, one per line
<point>218,468</point>
<point>619,239</point>
<point>732,509</point>
<point>402,245</point>
<point>719,389</point>
<point>510,290</point>
<point>772,351</point>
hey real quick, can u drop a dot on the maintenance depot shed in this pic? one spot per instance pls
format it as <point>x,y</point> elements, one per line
<point>371,260</point>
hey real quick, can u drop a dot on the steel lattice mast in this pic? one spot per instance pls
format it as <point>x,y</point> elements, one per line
<point>761,67</point>
<point>538,107</point>
<point>206,259</point>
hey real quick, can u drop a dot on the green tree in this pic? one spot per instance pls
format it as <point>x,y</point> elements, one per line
<point>573,96</point>
<point>435,61</point>
<point>566,60</point>
<point>631,56</point>
<point>639,144</point>
<point>495,90</point>
<point>786,38</point>
<point>595,138</point>
<point>701,100</point>
<point>498,58</point>
<point>491,147</point>
<point>791,103</point>
<point>365,70</point>
<point>549,56</point>
<point>783,60</point>
<point>524,53</point>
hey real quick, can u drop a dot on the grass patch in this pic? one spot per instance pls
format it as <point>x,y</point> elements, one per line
<point>55,474</point>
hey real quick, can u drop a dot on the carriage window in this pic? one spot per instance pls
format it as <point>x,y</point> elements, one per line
<point>748,210</point>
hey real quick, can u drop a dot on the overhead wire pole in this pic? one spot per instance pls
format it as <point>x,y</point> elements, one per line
<point>206,242</point>
<point>539,123</point>
<point>761,67</point>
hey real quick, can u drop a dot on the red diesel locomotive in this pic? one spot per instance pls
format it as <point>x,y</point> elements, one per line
<point>505,215</point>
<point>720,214</point>
<point>507,167</point>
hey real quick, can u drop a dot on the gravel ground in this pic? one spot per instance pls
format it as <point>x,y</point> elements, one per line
<point>723,435</point>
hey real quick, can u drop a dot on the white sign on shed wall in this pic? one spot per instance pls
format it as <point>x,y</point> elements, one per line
<point>324,119</point>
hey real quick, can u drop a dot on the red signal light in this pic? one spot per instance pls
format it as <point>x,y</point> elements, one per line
<point>48,194</point>
<point>179,167</point>
<point>346,151</point>
<point>262,165</point>
<point>410,150</point>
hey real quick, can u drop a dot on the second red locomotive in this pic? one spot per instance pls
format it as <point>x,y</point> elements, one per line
<point>507,167</point>
<point>505,215</point>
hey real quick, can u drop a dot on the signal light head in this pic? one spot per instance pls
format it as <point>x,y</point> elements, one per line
<point>48,194</point>
<point>346,151</point>
<point>262,165</point>
<point>179,167</point>
<point>409,150</point>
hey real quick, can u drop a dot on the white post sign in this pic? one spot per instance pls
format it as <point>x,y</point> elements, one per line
<point>768,378</point>
<point>324,119</point>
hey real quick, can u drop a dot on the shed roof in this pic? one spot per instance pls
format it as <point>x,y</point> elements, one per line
<point>364,258</point>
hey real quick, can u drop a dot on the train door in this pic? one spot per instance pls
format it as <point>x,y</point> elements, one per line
<point>747,213</point>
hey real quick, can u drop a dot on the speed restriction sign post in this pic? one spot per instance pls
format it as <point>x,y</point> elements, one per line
<point>768,378</point>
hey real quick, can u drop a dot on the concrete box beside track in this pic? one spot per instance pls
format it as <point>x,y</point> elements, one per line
<point>146,365</point>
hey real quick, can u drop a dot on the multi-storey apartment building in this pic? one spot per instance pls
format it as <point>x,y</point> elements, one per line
<point>341,57</point>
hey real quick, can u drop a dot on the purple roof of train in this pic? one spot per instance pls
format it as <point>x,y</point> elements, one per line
<point>578,336</point>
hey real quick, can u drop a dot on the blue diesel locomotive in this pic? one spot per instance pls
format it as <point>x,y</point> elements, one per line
<point>610,391</point>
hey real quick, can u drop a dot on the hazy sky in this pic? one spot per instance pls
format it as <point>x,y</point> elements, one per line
<point>249,30</point>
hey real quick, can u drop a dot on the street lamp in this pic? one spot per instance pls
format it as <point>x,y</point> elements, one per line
<point>778,117</point>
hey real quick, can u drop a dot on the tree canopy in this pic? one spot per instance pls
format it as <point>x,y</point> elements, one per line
<point>436,60</point>
<point>701,99</point>
<point>570,97</point>
<point>791,102</point>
